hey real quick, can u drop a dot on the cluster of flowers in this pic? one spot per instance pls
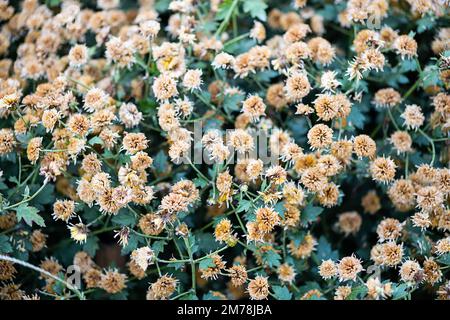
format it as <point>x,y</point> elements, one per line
<point>100,194</point>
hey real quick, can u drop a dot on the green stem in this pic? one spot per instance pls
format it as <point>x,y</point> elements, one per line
<point>225,22</point>
<point>191,260</point>
<point>392,119</point>
<point>411,90</point>
<point>29,198</point>
<point>198,171</point>
<point>79,294</point>
<point>237,39</point>
<point>181,295</point>
<point>432,145</point>
<point>407,166</point>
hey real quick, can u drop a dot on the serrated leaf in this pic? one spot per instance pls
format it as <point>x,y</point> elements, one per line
<point>46,196</point>
<point>200,182</point>
<point>91,246</point>
<point>158,246</point>
<point>357,293</point>
<point>310,285</point>
<point>53,3</point>
<point>26,192</point>
<point>325,251</point>
<point>122,295</point>
<point>206,242</point>
<point>399,291</point>
<point>29,215</point>
<point>232,102</point>
<point>281,293</point>
<point>407,65</point>
<point>160,162</point>
<point>124,218</point>
<point>329,12</point>
<point>148,106</point>
<point>356,118</point>
<point>162,5</point>
<point>209,26</point>
<point>310,213</point>
<point>206,263</point>
<point>256,8</point>
<point>5,246</point>
<point>425,23</point>
<point>280,209</point>
<point>431,76</point>
<point>244,206</point>
<point>297,237</point>
<point>444,259</point>
<point>224,7</point>
<point>176,265</point>
<point>95,140</point>
<point>271,258</point>
<point>211,296</point>
<point>189,297</point>
<point>299,128</point>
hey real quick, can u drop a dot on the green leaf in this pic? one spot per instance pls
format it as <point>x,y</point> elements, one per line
<point>26,192</point>
<point>444,259</point>
<point>53,3</point>
<point>91,246</point>
<point>212,172</point>
<point>324,250</point>
<point>200,182</point>
<point>162,5</point>
<point>29,215</point>
<point>329,12</point>
<point>244,205</point>
<point>280,209</point>
<point>160,162</point>
<point>210,296</point>
<point>310,213</point>
<point>356,118</point>
<point>3,186</point>
<point>256,8</point>
<point>124,218</point>
<point>47,195</point>
<point>299,128</point>
<point>297,237</point>
<point>158,246</point>
<point>176,265</point>
<point>431,76</point>
<point>191,296</point>
<point>58,287</point>
<point>282,293</point>
<point>271,258</point>
<point>310,285</point>
<point>357,293</point>
<point>224,7</point>
<point>399,291</point>
<point>232,102</point>
<point>206,263</point>
<point>426,23</point>
<point>265,76</point>
<point>407,65</point>
<point>205,97</point>
<point>95,140</point>
<point>147,106</point>
<point>5,246</point>
<point>206,242</point>
<point>207,26</point>
<point>122,295</point>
